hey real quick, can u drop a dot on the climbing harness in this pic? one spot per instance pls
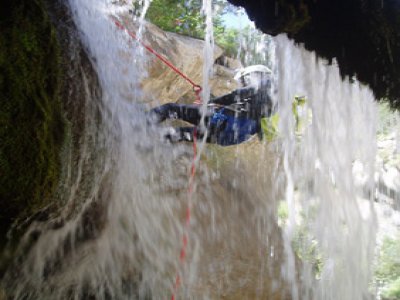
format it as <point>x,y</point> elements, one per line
<point>197,90</point>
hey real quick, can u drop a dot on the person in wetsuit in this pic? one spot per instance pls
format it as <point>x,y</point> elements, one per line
<point>230,119</point>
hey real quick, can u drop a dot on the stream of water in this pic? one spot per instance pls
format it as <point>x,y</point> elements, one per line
<point>330,206</point>
<point>124,240</point>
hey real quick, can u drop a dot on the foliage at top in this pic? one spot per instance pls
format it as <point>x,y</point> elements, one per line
<point>182,16</point>
<point>186,18</point>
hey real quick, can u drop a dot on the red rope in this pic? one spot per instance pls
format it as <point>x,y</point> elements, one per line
<point>186,228</point>
<point>196,88</point>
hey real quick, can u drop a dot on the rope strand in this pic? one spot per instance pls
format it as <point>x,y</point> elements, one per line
<point>186,228</point>
<point>197,90</point>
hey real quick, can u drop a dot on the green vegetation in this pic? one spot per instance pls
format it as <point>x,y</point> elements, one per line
<point>283,212</point>
<point>388,126</point>
<point>387,119</point>
<point>185,17</point>
<point>176,16</point>
<point>304,244</point>
<point>249,44</point>
<point>388,269</point>
<point>307,249</point>
<point>387,272</point>
<point>31,123</point>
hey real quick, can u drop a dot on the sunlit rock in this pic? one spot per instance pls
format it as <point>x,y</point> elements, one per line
<point>160,84</point>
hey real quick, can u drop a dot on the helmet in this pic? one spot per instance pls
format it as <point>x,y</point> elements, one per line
<point>253,75</point>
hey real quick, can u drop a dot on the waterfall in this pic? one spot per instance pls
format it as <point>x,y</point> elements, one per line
<point>124,237</point>
<point>326,205</point>
<point>124,240</point>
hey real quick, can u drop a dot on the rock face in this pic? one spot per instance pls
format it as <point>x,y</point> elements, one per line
<point>80,104</point>
<point>162,84</point>
<point>363,36</point>
<point>41,96</point>
<point>47,107</point>
<point>32,127</point>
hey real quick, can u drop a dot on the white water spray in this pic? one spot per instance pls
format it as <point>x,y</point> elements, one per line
<point>111,248</point>
<point>208,54</point>
<point>235,247</point>
<point>328,213</point>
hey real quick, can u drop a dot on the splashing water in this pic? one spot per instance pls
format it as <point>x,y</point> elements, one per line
<point>102,252</point>
<point>124,241</point>
<point>125,238</point>
<point>328,212</point>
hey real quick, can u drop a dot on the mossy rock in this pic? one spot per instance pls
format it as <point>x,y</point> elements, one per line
<point>31,122</point>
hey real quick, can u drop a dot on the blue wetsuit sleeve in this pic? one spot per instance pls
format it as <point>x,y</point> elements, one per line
<point>236,96</point>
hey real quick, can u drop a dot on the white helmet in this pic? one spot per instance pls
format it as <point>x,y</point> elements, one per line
<point>253,75</point>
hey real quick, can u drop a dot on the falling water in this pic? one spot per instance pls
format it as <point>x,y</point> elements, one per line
<point>111,248</point>
<point>124,240</point>
<point>330,214</point>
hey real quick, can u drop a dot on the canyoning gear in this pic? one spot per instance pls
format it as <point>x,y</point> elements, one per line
<point>229,119</point>
<point>226,125</point>
<point>253,75</point>
<point>252,103</point>
<point>235,130</point>
<point>269,127</point>
<point>186,112</point>
<point>248,102</point>
<point>221,126</point>
<point>252,69</point>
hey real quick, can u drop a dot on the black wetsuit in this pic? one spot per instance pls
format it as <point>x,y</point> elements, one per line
<point>233,118</point>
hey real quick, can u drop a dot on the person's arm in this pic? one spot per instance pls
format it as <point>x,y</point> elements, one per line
<point>237,96</point>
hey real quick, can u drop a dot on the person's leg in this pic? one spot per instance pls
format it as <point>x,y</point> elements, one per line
<point>215,123</point>
<point>185,112</point>
<point>187,134</point>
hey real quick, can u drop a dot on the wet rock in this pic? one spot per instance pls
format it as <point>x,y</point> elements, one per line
<point>229,62</point>
<point>32,124</point>
<point>162,84</point>
<point>67,154</point>
<point>2,295</point>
